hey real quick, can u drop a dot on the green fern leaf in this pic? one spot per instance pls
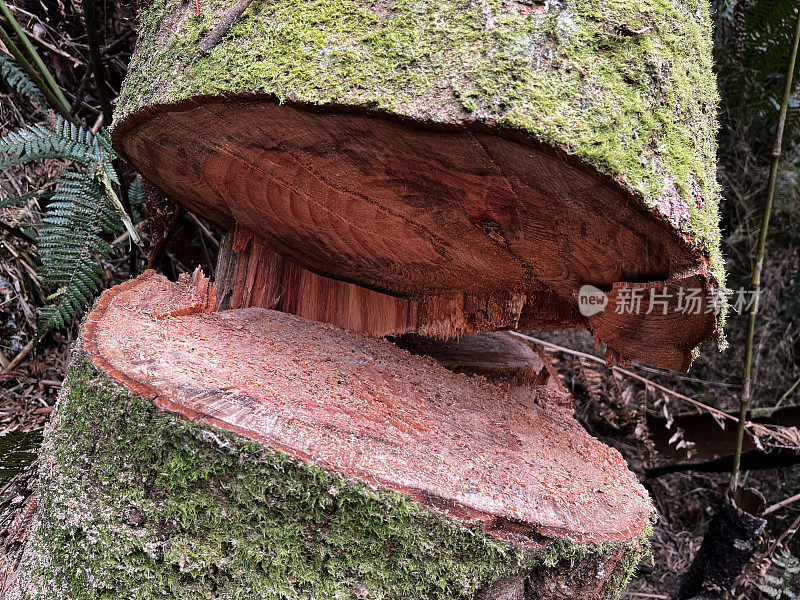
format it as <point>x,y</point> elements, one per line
<point>18,79</point>
<point>67,141</point>
<point>769,590</point>
<point>71,244</point>
<point>136,193</point>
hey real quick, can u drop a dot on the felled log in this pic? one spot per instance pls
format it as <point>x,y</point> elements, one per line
<point>251,453</point>
<point>465,167</point>
<point>427,171</point>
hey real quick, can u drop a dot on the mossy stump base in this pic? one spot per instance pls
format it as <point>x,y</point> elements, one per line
<point>251,454</point>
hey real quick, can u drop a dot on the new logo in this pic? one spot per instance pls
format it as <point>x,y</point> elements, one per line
<point>591,300</point>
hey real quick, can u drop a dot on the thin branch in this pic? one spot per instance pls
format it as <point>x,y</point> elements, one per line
<point>21,356</point>
<point>786,394</point>
<point>31,72</point>
<point>206,255</point>
<point>789,533</point>
<point>714,411</point>
<point>45,44</point>
<point>781,504</point>
<point>747,391</point>
<point>223,26</point>
<point>203,229</point>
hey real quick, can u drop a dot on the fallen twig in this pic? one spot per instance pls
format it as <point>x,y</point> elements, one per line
<point>203,229</point>
<point>21,356</point>
<point>781,504</point>
<point>710,409</point>
<point>225,23</point>
<point>782,435</point>
<point>47,45</point>
<point>790,531</point>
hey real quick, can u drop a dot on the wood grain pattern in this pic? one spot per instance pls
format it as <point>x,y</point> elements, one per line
<point>418,213</point>
<point>499,357</point>
<point>485,453</point>
<point>251,274</point>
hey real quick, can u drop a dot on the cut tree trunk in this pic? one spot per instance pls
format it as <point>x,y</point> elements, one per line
<point>421,170</point>
<point>443,168</point>
<point>254,454</point>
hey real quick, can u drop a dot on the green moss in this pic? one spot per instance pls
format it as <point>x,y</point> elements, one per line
<point>567,72</point>
<point>137,503</point>
<point>638,549</point>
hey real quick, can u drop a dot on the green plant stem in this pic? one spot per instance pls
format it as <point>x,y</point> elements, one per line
<point>133,258</point>
<point>99,72</point>
<point>31,72</point>
<point>786,394</point>
<point>98,68</point>
<point>747,391</point>
<point>120,210</point>
<point>61,103</point>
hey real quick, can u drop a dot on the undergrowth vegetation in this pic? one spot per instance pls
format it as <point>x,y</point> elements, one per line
<point>83,209</point>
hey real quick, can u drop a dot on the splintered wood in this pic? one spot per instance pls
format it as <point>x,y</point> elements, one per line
<point>506,456</point>
<point>250,274</point>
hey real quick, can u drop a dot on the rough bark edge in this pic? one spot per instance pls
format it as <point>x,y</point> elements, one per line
<point>134,498</point>
<point>250,274</point>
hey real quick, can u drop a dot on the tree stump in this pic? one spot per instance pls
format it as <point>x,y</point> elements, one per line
<point>254,454</point>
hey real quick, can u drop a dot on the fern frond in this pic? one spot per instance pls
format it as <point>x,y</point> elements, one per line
<point>67,141</point>
<point>71,243</point>
<point>136,193</point>
<point>775,586</point>
<point>18,79</point>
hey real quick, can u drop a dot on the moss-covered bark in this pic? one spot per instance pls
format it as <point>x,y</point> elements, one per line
<point>136,503</point>
<point>627,85</point>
